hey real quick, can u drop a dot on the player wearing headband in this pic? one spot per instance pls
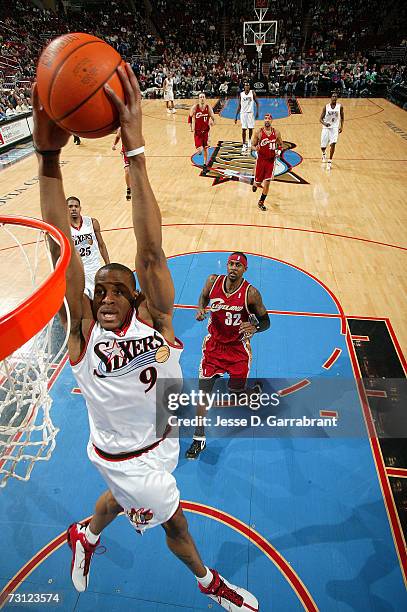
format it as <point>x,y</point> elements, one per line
<point>268,143</point>
<point>236,313</point>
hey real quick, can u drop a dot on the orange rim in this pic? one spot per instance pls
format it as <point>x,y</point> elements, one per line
<point>29,317</point>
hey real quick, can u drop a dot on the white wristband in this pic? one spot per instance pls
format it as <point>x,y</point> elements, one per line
<point>135,152</point>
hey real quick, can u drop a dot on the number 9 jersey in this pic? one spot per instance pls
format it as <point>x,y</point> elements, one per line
<point>120,374</point>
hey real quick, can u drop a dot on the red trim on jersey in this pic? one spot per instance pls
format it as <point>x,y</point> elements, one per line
<point>131,454</point>
<point>83,351</point>
<point>79,226</point>
<point>228,295</point>
<point>180,344</point>
<point>120,331</point>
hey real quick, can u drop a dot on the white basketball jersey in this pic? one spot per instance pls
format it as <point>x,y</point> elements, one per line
<point>121,377</point>
<point>84,239</point>
<point>246,102</point>
<point>332,115</point>
<point>169,85</point>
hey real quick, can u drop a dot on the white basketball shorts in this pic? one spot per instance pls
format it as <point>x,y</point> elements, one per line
<point>329,136</point>
<point>90,273</point>
<point>169,95</point>
<point>144,486</point>
<point>247,121</point>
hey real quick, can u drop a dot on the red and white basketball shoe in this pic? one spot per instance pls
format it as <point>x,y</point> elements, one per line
<point>82,553</point>
<point>229,596</point>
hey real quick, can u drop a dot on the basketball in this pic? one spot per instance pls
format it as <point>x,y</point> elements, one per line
<point>71,72</point>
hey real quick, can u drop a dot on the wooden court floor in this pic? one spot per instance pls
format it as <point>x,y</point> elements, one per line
<point>347,227</point>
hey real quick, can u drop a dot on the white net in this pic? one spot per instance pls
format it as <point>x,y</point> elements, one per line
<point>27,433</point>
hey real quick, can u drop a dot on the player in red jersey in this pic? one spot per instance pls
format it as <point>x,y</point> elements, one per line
<point>269,144</point>
<point>201,118</point>
<point>236,313</point>
<point>125,161</point>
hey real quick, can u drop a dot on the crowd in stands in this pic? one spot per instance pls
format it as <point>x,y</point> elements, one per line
<point>201,44</point>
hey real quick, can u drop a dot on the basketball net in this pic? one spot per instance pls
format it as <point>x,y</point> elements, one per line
<point>27,433</point>
<point>259,45</point>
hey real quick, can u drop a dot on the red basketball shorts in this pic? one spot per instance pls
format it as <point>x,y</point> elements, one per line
<point>126,161</point>
<point>201,139</point>
<point>263,170</point>
<point>233,359</point>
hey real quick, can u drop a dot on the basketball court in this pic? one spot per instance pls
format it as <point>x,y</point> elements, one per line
<point>305,522</point>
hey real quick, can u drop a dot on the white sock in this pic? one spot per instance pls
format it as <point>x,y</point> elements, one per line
<point>207,579</point>
<point>91,537</point>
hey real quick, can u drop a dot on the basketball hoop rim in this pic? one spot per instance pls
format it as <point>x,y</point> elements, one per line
<point>31,315</point>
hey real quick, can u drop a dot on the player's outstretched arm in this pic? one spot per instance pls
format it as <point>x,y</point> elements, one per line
<point>50,138</point>
<point>151,263</point>
<point>204,297</point>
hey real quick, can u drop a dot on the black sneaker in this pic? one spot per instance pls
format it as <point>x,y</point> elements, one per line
<point>128,193</point>
<point>254,188</point>
<point>261,205</point>
<point>195,449</point>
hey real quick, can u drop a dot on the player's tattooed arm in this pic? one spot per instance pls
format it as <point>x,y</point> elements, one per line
<point>204,297</point>
<point>101,242</point>
<point>342,119</point>
<point>256,307</point>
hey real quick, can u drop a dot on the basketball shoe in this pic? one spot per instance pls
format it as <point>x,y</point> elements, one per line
<point>261,205</point>
<point>244,149</point>
<point>82,553</point>
<point>323,158</point>
<point>229,596</point>
<point>195,449</point>
<point>128,193</point>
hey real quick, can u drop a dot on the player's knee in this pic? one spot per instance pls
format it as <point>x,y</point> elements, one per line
<point>176,526</point>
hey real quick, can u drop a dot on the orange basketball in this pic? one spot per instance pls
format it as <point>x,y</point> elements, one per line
<point>71,73</point>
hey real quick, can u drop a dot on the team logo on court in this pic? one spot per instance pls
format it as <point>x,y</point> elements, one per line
<point>139,516</point>
<point>119,357</point>
<point>227,163</point>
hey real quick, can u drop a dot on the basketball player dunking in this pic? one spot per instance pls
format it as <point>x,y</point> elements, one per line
<point>226,349</point>
<point>247,100</point>
<point>268,145</point>
<point>88,241</point>
<point>201,117</point>
<point>332,119</point>
<point>125,162</point>
<point>118,350</point>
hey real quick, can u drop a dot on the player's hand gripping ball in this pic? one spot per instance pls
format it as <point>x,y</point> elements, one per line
<point>71,73</point>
